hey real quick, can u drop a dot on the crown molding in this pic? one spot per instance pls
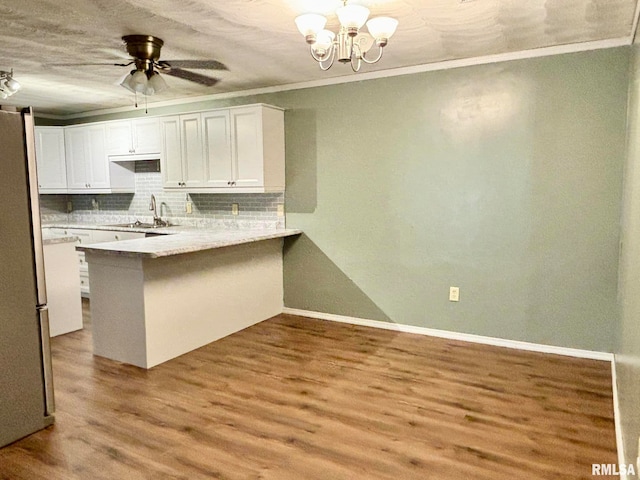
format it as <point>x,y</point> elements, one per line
<point>428,67</point>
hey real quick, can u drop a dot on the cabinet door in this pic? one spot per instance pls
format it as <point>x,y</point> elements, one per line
<point>97,158</point>
<point>192,150</point>
<point>119,138</point>
<point>217,149</point>
<point>77,173</point>
<point>171,159</point>
<point>146,136</point>
<point>50,157</point>
<point>247,157</point>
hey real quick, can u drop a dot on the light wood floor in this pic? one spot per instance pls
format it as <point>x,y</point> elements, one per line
<point>294,398</point>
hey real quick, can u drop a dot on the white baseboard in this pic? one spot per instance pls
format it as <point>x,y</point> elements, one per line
<point>465,337</point>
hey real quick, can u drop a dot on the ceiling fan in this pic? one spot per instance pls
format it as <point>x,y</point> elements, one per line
<point>145,55</point>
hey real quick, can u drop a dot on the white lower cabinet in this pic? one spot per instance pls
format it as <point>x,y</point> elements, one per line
<point>61,279</point>
<point>88,236</point>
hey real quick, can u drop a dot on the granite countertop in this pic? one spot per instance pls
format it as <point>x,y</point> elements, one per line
<point>182,240</point>
<point>49,238</point>
<point>115,228</point>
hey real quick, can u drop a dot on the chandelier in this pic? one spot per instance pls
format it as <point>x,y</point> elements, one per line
<point>350,45</point>
<point>8,85</point>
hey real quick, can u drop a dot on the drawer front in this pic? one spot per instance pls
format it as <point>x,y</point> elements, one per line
<point>117,236</point>
<point>84,236</point>
<point>100,236</point>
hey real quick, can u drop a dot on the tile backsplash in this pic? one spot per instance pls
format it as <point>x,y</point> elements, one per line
<point>255,210</point>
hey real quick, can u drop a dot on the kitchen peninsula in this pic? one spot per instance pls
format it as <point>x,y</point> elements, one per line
<point>156,298</point>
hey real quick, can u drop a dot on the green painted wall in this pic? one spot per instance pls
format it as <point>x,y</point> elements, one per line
<point>628,348</point>
<point>504,180</point>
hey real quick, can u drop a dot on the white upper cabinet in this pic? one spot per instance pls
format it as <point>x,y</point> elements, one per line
<point>139,137</point>
<point>50,158</point>
<point>231,150</point>
<point>119,138</point>
<point>234,150</point>
<point>192,150</point>
<point>77,163</point>
<point>217,148</point>
<point>182,160</point>
<point>248,148</point>
<point>88,168</point>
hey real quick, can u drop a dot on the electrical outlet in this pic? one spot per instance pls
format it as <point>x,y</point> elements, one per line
<point>188,207</point>
<point>454,294</point>
<point>280,210</point>
<point>234,209</point>
<point>69,206</point>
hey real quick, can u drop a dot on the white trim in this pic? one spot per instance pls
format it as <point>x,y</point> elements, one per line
<point>617,420</point>
<point>394,72</point>
<point>465,337</point>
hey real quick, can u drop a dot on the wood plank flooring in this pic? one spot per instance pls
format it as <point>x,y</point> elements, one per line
<point>295,398</point>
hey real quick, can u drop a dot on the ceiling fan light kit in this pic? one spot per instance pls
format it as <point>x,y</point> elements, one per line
<point>8,85</point>
<point>145,51</point>
<point>350,45</point>
<point>147,82</point>
<point>146,78</point>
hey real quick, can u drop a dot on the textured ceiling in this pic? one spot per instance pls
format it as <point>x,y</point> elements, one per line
<point>259,43</point>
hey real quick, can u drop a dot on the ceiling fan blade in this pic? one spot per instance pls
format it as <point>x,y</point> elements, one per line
<point>197,64</point>
<point>111,64</point>
<point>191,76</point>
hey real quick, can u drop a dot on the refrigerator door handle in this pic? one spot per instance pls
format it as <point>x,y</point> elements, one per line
<point>43,313</point>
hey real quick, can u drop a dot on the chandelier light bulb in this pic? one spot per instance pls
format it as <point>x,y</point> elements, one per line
<point>382,28</point>
<point>352,18</point>
<point>309,25</point>
<point>323,42</point>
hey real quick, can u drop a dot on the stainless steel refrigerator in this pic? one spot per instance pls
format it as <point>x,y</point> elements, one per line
<point>26,385</point>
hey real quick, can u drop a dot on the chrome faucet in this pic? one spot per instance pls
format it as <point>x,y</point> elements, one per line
<point>157,221</point>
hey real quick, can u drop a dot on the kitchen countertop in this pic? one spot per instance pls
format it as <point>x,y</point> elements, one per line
<point>114,228</point>
<point>179,240</point>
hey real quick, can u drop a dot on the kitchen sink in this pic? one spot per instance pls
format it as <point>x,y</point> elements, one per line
<point>139,224</point>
